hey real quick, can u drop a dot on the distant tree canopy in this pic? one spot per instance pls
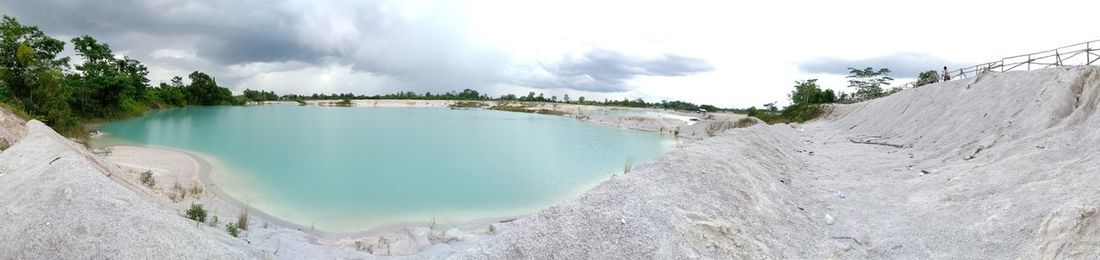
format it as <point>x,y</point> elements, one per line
<point>868,82</point>
<point>103,86</point>
<point>807,92</point>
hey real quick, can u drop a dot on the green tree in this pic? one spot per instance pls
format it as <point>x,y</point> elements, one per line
<point>26,55</point>
<point>868,82</point>
<point>807,92</point>
<point>204,90</point>
<point>927,77</point>
<point>106,86</point>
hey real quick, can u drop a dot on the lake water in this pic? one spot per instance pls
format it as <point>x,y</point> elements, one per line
<point>351,169</point>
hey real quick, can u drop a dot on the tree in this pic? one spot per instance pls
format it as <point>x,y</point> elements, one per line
<point>106,86</point>
<point>204,90</point>
<point>927,77</point>
<point>868,82</point>
<point>807,92</point>
<point>565,97</point>
<point>25,54</point>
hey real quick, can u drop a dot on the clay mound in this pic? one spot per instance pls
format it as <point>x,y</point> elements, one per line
<point>59,204</point>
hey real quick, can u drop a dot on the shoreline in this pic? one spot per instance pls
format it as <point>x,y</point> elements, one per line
<point>203,169</point>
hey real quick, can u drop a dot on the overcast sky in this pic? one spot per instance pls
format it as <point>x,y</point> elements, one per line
<point>726,53</point>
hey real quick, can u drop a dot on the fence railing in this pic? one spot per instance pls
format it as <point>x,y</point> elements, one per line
<point>1069,55</point>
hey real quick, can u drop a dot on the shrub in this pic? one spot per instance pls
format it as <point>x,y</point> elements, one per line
<point>744,122</point>
<point>344,103</point>
<point>468,104</point>
<point>213,221</point>
<point>232,230</point>
<point>927,77</point>
<point>196,213</point>
<point>147,179</point>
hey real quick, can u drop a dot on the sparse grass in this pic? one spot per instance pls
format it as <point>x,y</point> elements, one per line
<point>197,213</point>
<point>233,230</point>
<point>468,104</point>
<point>344,103</point>
<point>196,189</point>
<point>744,122</point>
<point>147,179</point>
<point>177,193</point>
<point>628,165</point>
<point>433,234</point>
<point>242,219</point>
<point>17,111</point>
<point>526,110</point>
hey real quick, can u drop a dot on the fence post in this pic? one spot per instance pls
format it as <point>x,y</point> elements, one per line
<point>1088,54</point>
<point>1029,62</point>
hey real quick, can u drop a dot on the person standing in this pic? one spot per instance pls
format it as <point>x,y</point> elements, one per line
<point>946,74</point>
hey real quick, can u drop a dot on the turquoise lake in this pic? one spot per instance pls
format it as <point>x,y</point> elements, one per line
<point>345,169</point>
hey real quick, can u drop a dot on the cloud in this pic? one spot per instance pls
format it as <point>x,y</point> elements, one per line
<point>603,70</point>
<point>900,64</point>
<point>421,45</point>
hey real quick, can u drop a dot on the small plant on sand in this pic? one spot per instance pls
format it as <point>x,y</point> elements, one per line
<point>196,213</point>
<point>179,191</point>
<point>433,234</point>
<point>232,229</point>
<point>147,179</point>
<point>628,164</point>
<point>242,219</point>
<point>213,221</point>
<point>196,189</point>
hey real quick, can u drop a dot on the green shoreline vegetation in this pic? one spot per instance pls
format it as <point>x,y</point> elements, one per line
<point>35,82</point>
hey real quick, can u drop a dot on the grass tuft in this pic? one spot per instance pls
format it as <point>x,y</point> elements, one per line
<point>147,179</point>
<point>242,219</point>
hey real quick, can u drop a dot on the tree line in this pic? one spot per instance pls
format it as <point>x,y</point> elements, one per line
<point>37,81</point>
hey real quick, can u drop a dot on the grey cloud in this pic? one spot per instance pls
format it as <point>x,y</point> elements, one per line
<point>900,65</point>
<point>603,70</point>
<point>429,53</point>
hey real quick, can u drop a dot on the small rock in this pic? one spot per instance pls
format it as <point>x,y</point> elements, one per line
<point>622,221</point>
<point>829,219</point>
<point>840,195</point>
<point>925,172</point>
<point>811,153</point>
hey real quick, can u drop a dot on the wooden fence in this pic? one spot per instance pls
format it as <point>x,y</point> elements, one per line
<point>1069,55</point>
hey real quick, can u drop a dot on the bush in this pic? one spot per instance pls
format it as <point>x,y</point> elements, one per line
<point>196,213</point>
<point>468,104</point>
<point>232,230</point>
<point>927,77</point>
<point>344,103</point>
<point>147,179</point>
<point>744,122</point>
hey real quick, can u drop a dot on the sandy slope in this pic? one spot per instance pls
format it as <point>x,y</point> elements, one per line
<point>1001,166</point>
<point>58,203</point>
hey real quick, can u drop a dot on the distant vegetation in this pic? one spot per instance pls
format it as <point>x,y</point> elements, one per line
<point>474,95</point>
<point>523,109</point>
<point>807,97</point>
<point>38,83</point>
